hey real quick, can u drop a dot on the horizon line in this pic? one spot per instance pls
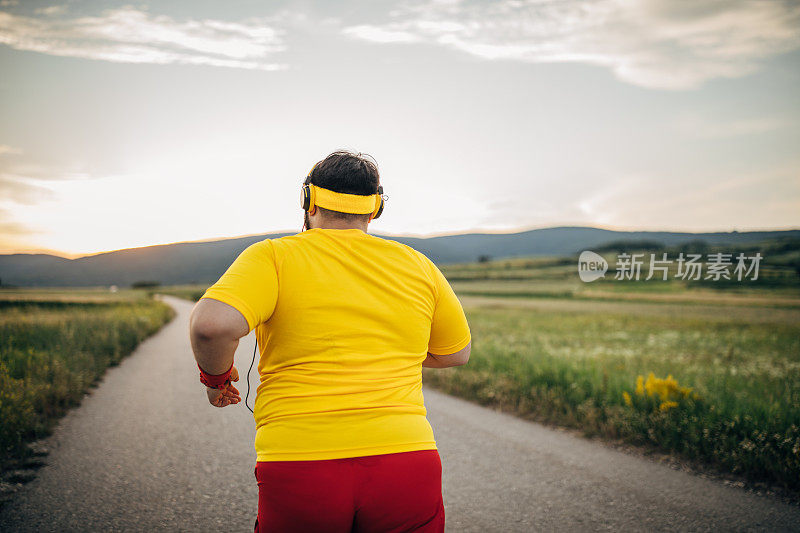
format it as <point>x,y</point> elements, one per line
<point>523,229</point>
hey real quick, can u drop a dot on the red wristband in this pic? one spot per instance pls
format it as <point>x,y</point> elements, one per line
<point>217,381</point>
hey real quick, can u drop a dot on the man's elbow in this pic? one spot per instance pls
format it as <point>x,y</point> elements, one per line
<point>463,355</point>
<point>205,326</point>
<point>201,327</point>
<point>458,358</point>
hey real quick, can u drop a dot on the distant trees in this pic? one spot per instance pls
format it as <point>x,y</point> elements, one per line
<point>629,246</point>
<point>145,284</point>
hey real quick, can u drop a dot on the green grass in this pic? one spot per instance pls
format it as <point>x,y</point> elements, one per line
<point>187,292</point>
<point>779,274</point>
<point>572,368</point>
<point>548,347</point>
<point>602,295</point>
<point>72,294</point>
<point>52,350</point>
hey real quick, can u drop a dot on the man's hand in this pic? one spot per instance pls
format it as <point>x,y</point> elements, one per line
<point>227,396</point>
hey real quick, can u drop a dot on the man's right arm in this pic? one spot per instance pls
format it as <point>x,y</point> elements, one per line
<point>450,340</point>
<point>458,358</point>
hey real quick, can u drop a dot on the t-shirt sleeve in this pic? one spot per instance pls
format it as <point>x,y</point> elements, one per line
<point>449,329</point>
<point>250,284</point>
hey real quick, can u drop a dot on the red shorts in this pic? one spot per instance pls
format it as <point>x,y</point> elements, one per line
<point>392,492</point>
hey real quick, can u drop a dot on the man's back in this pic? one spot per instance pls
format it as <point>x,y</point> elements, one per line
<point>344,321</point>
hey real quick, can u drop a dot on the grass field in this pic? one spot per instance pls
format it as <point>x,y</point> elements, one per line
<point>574,368</point>
<point>187,292</point>
<point>709,374</point>
<point>54,345</point>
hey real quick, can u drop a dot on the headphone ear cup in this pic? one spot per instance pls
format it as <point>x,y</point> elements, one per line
<point>305,197</point>
<point>378,211</point>
<point>379,205</point>
<point>307,200</point>
<point>312,200</point>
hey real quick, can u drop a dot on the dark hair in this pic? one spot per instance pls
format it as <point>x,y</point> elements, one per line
<point>346,172</point>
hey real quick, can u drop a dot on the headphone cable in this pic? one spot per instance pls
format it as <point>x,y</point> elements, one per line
<point>248,376</point>
<point>255,349</point>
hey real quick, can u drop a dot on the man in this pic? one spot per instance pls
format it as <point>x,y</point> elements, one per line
<point>345,322</point>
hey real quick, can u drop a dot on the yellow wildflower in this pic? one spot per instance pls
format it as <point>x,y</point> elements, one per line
<point>667,391</point>
<point>640,386</point>
<point>627,398</point>
<point>652,384</point>
<point>666,406</point>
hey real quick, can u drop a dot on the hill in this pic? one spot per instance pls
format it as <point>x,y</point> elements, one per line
<point>203,262</point>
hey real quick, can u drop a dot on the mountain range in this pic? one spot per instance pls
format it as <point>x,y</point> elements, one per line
<point>204,262</point>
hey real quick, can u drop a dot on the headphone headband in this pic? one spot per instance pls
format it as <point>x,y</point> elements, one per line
<point>344,203</point>
<point>314,196</point>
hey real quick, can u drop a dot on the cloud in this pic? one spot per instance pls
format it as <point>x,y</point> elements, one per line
<point>377,34</point>
<point>9,228</point>
<point>130,35</point>
<point>651,43</point>
<point>20,190</point>
<point>51,10</point>
<point>32,171</point>
<point>9,150</point>
<point>767,197</point>
<point>694,126</point>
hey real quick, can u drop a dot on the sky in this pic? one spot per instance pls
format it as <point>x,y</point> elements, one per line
<point>130,124</point>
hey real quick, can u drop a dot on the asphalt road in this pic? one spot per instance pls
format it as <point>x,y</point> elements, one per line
<point>145,452</point>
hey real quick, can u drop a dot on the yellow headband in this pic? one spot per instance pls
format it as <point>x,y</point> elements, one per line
<point>344,203</point>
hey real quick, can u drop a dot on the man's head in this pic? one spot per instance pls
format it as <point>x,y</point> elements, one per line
<point>345,172</point>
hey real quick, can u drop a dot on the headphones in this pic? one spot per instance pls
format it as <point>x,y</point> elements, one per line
<point>313,196</point>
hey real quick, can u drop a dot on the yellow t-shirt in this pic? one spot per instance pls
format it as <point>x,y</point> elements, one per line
<point>344,321</point>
